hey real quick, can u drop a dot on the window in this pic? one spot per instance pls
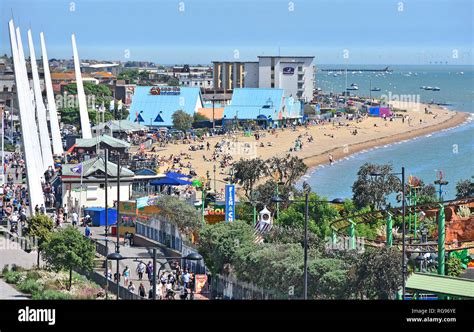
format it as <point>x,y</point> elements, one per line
<point>91,193</point>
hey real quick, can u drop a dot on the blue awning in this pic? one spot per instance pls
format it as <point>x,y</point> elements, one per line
<point>170,181</point>
<point>177,175</point>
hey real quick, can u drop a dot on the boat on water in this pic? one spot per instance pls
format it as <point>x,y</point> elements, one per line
<point>430,88</point>
<point>375,89</point>
<point>353,87</point>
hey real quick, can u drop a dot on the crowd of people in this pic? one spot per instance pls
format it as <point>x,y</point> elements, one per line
<point>169,284</point>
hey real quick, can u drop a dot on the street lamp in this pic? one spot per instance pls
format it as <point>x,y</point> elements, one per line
<point>307,190</point>
<point>115,256</point>
<point>404,266</point>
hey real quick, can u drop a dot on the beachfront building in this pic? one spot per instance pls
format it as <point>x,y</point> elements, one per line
<point>229,75</point>
<point>268,107</point>
<point>154,105</point>
<point>294,74</point>
<point>92,193</point>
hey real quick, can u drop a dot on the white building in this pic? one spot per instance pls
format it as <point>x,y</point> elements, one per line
<point>196,82</point>
<point>293,74</point>
<point>93,184</point>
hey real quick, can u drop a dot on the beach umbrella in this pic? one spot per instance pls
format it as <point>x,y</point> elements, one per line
<point>170,182</point>
<point>177,175</point>
<point>197,183</point>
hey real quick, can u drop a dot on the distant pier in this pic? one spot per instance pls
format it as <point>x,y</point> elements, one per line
<point>341,70</point>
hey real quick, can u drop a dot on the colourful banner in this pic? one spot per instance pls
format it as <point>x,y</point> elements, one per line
<point>229,203</point>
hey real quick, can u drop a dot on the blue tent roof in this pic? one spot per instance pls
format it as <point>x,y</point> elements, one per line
<point>152,105</point>
<point>170,181</point>
<point>253,103</point>
<point>177,175</point>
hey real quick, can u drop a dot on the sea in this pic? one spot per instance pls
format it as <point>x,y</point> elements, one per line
<point>449,152</point>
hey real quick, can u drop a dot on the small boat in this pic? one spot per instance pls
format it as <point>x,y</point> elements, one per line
<point>375,89</point>
<point>435,89</point>
<point>428,88</point>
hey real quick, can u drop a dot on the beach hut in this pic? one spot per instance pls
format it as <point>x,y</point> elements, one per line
<point>374,111</point>
<point>385,111</point>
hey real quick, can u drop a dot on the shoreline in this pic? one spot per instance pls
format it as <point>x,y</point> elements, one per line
<point>459,118</point>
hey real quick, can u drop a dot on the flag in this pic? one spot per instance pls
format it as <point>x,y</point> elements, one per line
<point>77,169</point>
<point>112,105</point>
<point>119,105</point>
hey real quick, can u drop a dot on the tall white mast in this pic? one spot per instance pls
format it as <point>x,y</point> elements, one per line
<point>40,109</point>
<point>53,114</point>
<point>31,120</point>
<point>32,177</point>
<point>85,125</point>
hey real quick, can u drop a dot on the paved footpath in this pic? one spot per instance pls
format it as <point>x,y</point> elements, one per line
<point>7,292</point>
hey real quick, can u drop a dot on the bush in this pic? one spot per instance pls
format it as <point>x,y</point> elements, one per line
<point>12,277</point>
<point>30,286</point>
<point>453,267</point>
<point>5,269</point>
<point>50,294</point>
<point>33,275</point>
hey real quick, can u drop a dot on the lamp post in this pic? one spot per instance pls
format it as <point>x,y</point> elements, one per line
<point>404,266</point>
<point>213,118</point>
<point>215,187</point>
<point>118,257</point>
<point>307,191</point>
<point>106,183</point>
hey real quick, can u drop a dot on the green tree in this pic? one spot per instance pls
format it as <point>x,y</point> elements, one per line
<point>182,121</point>
<point>328,279</point>
<point>222,244</point>
<point>319,218</point>
<point>287,170</point>
<point>185,216</point>
<point>199,117</point>
<point>377,273</point>
<point>464,188</point>
<point>40,226</point>
<point>247,172</point>
<point>274,266</point>
<point>370,190</point>
<point>68,249</point>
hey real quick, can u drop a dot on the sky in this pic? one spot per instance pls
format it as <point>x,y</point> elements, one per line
<point>200,31</point>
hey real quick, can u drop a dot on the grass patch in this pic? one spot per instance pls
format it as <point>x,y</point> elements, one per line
<point>12,277</point>
<point>51,294</point>
<point>30,286</point>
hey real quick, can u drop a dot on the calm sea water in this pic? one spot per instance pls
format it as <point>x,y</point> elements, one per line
<point>450,151</point>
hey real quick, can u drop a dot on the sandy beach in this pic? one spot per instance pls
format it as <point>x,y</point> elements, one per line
<point>336,139</point>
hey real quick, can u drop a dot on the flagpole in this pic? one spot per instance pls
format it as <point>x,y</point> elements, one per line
<point>80,195</point>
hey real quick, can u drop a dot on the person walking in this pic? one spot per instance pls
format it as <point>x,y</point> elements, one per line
<point>140,270</point>
<point>141,290</point>
<point>131,287</point>
<point>65,212</point>
<point>126,275</point>
<point>75,218</point>
<point>149,271</point>
<point>186,276</point>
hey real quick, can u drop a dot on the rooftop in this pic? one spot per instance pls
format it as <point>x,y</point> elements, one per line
<point>106,139</point>
<point>158,109</point>
<point>441,284</point>
<point>96,166</point>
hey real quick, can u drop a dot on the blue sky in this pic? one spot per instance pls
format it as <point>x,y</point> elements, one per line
<point>199,31</point>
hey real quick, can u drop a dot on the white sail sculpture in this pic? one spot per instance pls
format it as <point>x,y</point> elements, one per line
<point>85,124</point>
<point>31,119</point>
<point>53,113</point>
<point>35,190</point>
<point>45,142</point>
